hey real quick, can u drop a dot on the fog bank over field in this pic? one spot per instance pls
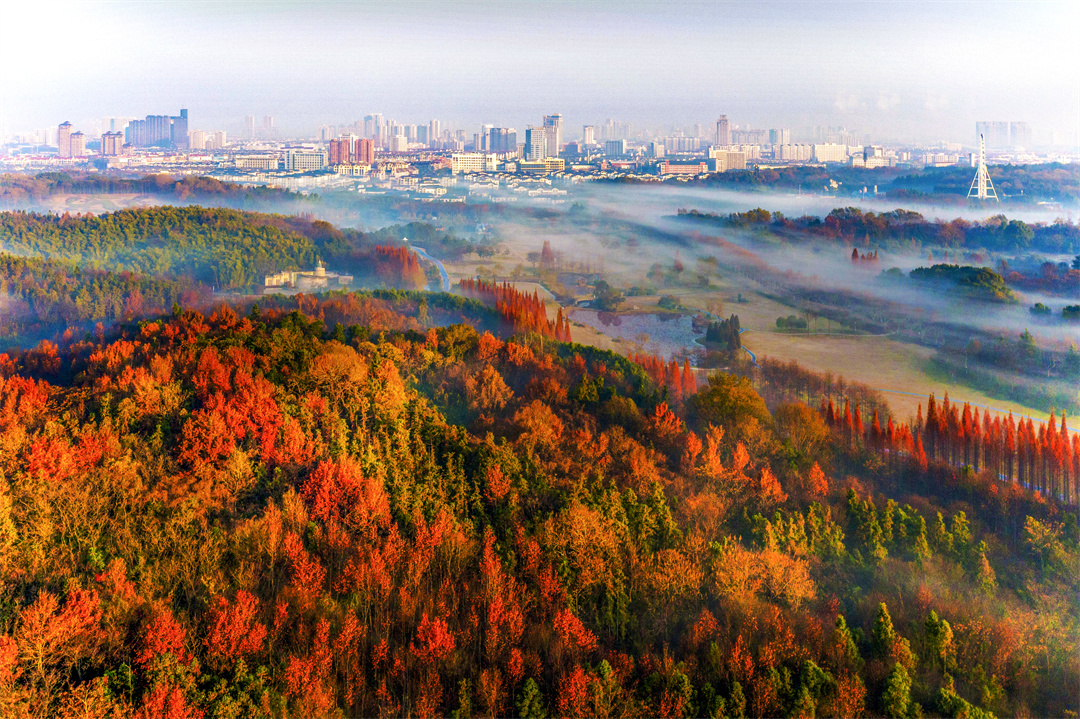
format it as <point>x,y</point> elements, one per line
<point>617,217</point>
<point>650,203</point>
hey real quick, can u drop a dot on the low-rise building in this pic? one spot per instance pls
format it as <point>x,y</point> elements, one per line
<point>684,167</point>
<point>305,160</point>
<point>544,166</point>
<point>830,152</point>
<point>299,281</point>
<point>469,162</point>
<point>257,162</point>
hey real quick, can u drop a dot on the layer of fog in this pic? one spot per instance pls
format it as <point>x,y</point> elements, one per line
<point>824,265</point>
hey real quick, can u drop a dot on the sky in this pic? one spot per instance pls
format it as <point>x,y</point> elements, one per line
<point>894,71</point>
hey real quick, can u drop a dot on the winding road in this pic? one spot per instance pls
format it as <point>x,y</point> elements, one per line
<point>442,270</point>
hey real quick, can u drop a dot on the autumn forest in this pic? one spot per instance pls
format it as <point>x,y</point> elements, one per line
<point>396,502</point>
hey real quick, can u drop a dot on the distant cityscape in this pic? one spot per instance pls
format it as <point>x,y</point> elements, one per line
<point>380,153</point>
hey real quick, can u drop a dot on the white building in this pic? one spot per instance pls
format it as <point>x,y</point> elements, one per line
<point>731,159</point>
<point>830,152</point>
<point>306,160</point>
<point>318,279</point>
<point>469,162</point>
<point>399,143</point>
<point>256,162</point>
<point>793,153</point>
<point>535,143</point>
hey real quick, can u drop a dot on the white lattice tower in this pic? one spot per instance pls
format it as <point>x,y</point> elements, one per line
<point>981,187</point>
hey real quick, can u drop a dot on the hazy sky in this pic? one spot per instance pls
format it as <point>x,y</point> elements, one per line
<point>897,70</point>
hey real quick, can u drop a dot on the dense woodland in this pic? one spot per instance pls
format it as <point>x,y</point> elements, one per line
<point>46,297</point>
<point>16,190</point>
<point>976,283</point>
<point>1015,184</point>
<point>904,230</point>
<point>226,249</point>
<point>1050,181</point>
<point>331,507</point>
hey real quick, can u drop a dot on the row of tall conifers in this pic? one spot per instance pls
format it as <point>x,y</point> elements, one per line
<point>1044,457</point>
<point>525,312</point>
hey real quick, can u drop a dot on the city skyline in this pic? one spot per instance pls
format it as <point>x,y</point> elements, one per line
<point>471,64</point>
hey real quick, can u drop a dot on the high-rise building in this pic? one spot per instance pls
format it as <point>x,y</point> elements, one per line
<point>502,140</point>
<point>365,151</point>
<point>249,127</point>
<point>373,125</point>
<point>615,148</point>
<point>115,124</point>
<point>995,133</point>
<point>588,135</point>
<point>399,143</point>
<point>112,144</point>
<point>553,131</point>
<point>612,130</point>
<point>536,143</point>
<point>1020,135</point>
<point>78,144</point>
<point>159,131</point>
<point>63,140</point>
<point>340,152</point>
<point>178,131</point>
<point>723,131</point>
<point>1001,135</point>
<point>197,140</point>
<point>268,125</point>
<point>780,137</point>
<point>219,140</point>
<point>434,131</point>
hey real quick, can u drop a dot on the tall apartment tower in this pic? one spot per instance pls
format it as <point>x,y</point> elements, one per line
<point>502,140</point>
<point>536,143</point>
<point>365,151</point>
<point>112,144</point>
<point>723,131</point>
<point>78,145</point>
<point>588,135</point>
<point>268,125</point>
<point>553,131</point>
<point>63,140</point>
<point>434,131</point>
<point>339,152</point>
<point>178,132</point>
<point>249,127</point>
<point>780,137</point>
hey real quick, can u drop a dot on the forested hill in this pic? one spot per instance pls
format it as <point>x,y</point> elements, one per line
<point>326,507</point>
<point>225,249</point>
<point>903,230</point>
<point>16,190</point>
<point>44,298</point>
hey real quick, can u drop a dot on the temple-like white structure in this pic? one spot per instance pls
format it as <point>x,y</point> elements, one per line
<point>318,279</point>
